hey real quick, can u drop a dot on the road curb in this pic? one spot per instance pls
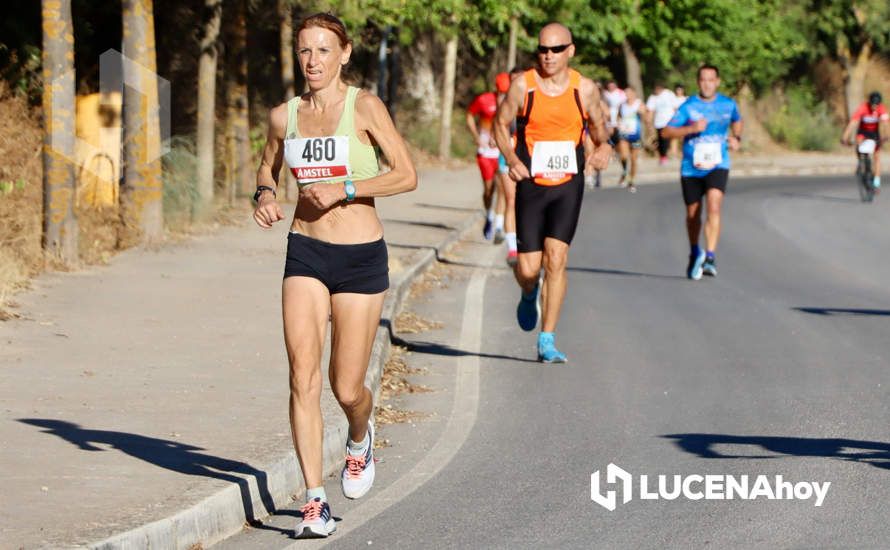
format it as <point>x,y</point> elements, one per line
<point>743,172</point>
<point>222,514</point>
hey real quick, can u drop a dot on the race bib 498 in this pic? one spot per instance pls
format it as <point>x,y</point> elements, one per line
<point>554,159</point>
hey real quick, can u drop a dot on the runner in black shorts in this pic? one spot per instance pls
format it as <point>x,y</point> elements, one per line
<point>552,106</point>
<point>543,212</point>
<point>703,122</point>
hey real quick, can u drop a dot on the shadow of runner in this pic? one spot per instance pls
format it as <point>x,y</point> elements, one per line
<point>445,350</point>
<point>172,455</point>
<point>843,311</point>
<point>874,453</point>
<point>812,196</point>
<point>605,271</point>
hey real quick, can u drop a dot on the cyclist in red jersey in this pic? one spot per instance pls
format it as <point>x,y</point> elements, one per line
<point>867,120</point>
<point>484,108</point>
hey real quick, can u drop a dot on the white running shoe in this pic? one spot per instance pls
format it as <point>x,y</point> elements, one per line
<point>357,476</point>
<point>317,522</point>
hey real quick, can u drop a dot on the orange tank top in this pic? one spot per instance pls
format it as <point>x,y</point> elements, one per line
<point>551,118</point>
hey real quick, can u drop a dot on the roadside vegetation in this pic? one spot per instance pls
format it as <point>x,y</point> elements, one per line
<point>801,65</point>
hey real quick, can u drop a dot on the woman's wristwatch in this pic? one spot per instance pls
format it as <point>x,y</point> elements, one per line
<point>259,191</point>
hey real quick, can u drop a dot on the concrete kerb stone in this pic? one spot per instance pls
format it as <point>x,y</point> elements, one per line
<point>222,514</point>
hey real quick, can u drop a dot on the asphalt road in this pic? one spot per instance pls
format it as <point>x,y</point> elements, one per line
<point>779,366</point>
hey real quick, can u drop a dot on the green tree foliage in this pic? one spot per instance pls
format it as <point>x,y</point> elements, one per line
<point>839,25</point>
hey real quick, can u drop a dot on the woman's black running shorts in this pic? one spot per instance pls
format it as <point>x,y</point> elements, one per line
<point>358,268</point>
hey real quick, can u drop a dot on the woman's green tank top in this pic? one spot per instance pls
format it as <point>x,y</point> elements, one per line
<point>362,157</point>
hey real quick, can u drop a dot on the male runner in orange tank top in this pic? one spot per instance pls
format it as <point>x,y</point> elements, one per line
<point>552,105</point>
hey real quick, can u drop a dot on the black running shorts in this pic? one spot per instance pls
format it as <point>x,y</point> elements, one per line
<point>694,188</point>
<point>547,211</point>
<point>359,268</point>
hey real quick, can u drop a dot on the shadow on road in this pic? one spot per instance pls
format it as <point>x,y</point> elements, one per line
<point>870,452</point>
<point>603,271</point>
<point>844,311</point>
<point>446,207</point>
<point>445,350</point>
<point>442,259</point>
<point>172,455</point>
<point>433,225</point>
<point>812,196</point>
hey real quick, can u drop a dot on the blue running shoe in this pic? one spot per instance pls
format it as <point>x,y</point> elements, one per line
<point>709,268</point>
<point>694,270</point>
<point>547,352</point>
<point>528,310</point>
<point>488,230</point>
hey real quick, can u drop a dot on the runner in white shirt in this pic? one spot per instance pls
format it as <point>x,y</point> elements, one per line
<point>662,103</point>
<point>631,116</point>
<point>614,97</point>
<point>680,95</point>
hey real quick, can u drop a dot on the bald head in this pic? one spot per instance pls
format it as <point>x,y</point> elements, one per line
<point>554,34</point>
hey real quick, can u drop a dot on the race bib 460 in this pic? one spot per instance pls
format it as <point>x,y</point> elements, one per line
<point>318,158</point>
<point>554,159</point>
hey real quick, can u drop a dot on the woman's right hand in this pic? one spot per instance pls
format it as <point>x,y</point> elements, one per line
<point>268,211</point>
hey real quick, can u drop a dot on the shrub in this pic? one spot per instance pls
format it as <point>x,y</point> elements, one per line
<point>180,182</point>
<point>803,122</point>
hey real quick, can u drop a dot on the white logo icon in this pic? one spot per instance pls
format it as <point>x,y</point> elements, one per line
<point>613,474</point>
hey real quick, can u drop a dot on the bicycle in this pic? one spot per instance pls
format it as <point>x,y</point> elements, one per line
<point>865,174</point>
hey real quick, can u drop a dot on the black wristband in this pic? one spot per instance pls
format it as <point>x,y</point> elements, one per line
<point>259,191</point>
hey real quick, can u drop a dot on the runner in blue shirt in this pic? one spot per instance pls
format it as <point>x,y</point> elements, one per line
<point>710,125</point>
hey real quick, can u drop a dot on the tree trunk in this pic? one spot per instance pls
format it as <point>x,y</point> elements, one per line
<point>59,186</point>
<point>237,100</point>
<point>855,69</point>
<point>395,68</point>
<point>511,45</point>
<point>421,78</point>
<point>286,39</point>
<point>448,98</point>
<point>383,65</point>
<point>143,188</point>
<point>207,103</point>
<point>632,68</point>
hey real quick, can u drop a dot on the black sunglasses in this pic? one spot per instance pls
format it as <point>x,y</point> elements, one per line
<point>555,49</point>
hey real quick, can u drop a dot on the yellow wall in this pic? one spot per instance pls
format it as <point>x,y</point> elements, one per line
<point>98,149</point>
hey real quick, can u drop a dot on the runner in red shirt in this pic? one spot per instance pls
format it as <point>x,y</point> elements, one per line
<point>484,108</point>
<point>867,120</point>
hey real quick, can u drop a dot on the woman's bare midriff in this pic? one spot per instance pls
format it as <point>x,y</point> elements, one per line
<point>343,223</point>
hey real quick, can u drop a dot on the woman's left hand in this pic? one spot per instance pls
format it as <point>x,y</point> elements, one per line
<point>323,195</point>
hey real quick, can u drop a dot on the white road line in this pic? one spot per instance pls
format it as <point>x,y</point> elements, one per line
<point>460,423</point>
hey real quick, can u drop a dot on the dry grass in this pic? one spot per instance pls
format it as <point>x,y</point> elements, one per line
<point>394,382</point>
<point>21,207</point>
<point>21,201</point>
<point>408,322</point>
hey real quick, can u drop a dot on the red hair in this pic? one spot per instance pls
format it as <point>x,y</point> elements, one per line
<point>329,22</point>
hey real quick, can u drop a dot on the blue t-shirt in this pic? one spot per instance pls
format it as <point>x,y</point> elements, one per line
<point>720,112</point>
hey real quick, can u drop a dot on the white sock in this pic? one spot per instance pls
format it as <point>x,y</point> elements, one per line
<point>358,449</point>
<point>877,182</point>
<point>511,241</point>
<point>491,215</point>
<point>316,492</point>
<point>499,222</point>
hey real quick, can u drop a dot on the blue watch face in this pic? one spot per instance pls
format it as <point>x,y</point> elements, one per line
<point>349,187</point>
